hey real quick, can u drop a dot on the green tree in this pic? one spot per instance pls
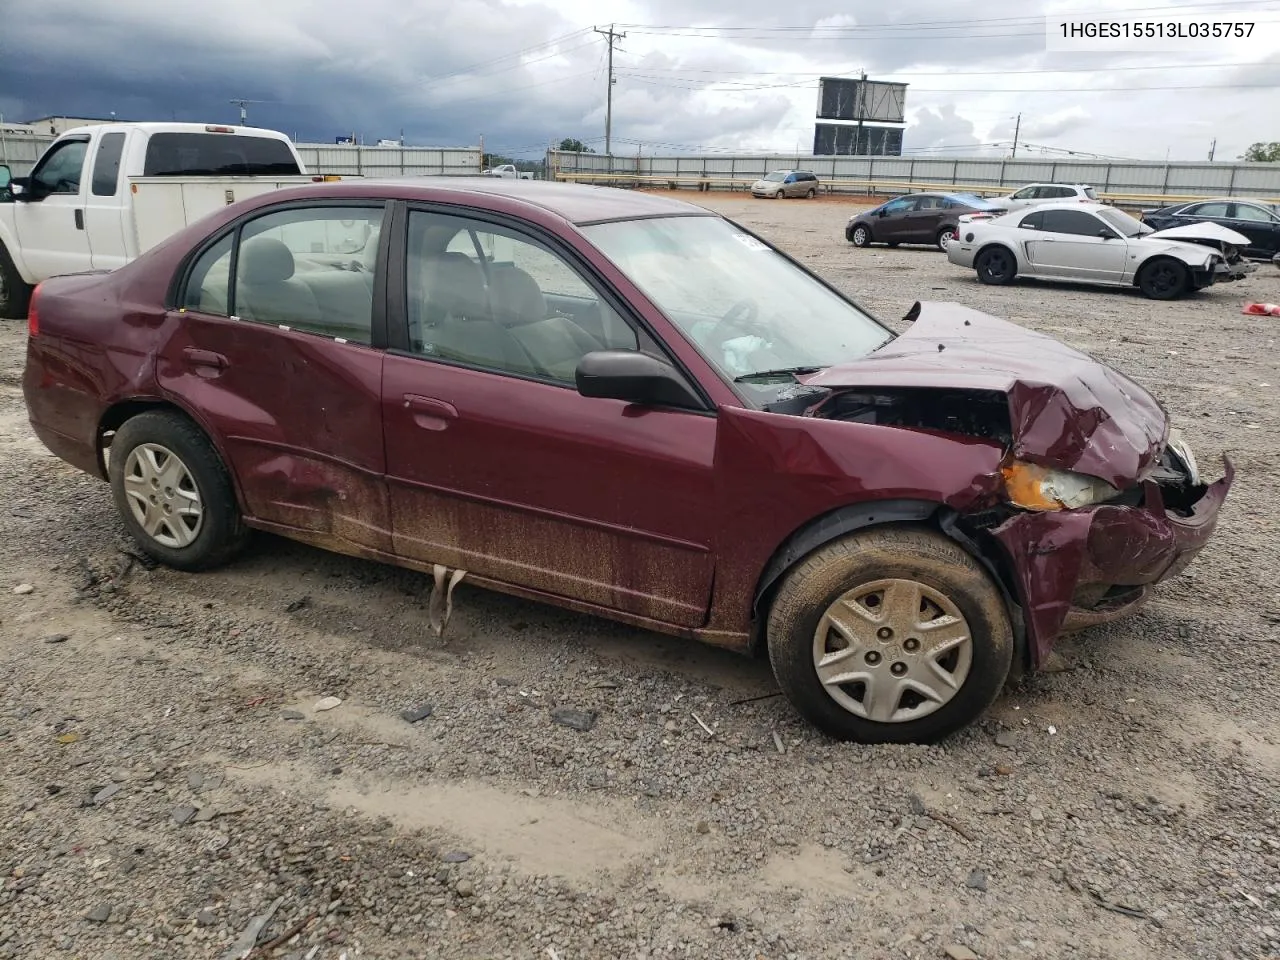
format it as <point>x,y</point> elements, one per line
<point>570,145</point>
<point>1263,153</point>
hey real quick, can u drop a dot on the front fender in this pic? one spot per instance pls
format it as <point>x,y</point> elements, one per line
<point>9,240</point>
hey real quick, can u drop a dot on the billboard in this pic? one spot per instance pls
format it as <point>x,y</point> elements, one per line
<point>845,99</point>
<point>841,140</point>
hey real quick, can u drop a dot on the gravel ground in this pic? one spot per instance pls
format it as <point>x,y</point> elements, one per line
<point>168,778</point>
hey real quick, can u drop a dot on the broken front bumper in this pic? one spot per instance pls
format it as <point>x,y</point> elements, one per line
<point>1106,556</point>
<point>1234,271</point>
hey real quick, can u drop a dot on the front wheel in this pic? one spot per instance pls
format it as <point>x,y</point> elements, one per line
<point>777,195</point>
<point>1163,279</point>
<point>996,265</point>
<point>861,236</point>
<point>15,293</point>
<point>174,493</point>
<point>890,635</point>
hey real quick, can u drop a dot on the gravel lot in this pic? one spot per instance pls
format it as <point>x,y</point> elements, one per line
<point>168,778</point>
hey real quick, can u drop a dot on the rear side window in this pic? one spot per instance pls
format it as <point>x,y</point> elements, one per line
<point>1032,221</point>
<point>217,155</point>
<point>106,165</point>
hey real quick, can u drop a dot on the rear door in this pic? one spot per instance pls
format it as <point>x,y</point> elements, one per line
<point>106,202</point>
<point>1070,245</point>
<point>51,224</point>
<point>276,347</point>
<point>920,224</point>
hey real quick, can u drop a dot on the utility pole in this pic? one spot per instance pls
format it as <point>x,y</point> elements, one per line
<point>244,114</point>
<point>1017,127</point>
<point>1212,147</point>
<point>611,36</point>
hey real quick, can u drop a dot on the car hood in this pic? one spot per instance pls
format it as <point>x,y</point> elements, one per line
<point>1066,410</point>
<point>1201,231</point>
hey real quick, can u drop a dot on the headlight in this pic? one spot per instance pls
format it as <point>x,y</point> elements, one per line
<point>1034,487</point>
<point>1179,446</point>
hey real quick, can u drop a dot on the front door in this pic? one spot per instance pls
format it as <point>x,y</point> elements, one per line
<point>50,224</point>
<point>498,466</point>
<point>281,363</point>
<point>1261,227</point>
<point>891,226</point>
<point>1069,245</point>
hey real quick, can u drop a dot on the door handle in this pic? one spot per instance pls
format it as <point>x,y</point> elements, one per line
<point>1047,240</point>
<point>430,413</point>
<point>79,215</point>
<point>205,358</point>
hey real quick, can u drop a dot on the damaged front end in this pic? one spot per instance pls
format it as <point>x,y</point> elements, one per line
<point>1097,499</point>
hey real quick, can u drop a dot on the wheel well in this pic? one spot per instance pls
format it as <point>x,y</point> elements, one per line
<point>116,416</point>
<point>1137,274</point>
<point>846,520</point>
<point>991,246</point>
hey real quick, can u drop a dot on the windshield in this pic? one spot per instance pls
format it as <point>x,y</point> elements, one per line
<point>745,307</point>
<point>1125,224</point>
<point>776,176</point>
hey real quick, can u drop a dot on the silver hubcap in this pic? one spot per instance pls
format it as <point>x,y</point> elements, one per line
<point>892,650</point>
<point>947,237</point>
<point>860,236</point>
<point>162,495</point>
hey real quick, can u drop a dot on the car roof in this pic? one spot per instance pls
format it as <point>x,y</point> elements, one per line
<point>575,202</point>
<point>1063,205</point>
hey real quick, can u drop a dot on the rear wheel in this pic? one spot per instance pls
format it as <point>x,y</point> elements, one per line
<point>811,194</point>
<point>15,293</point>
<point>945,236</point>
<point>890,635</point>
<point>996,265</point>
<point>1163,279</point>
<point>174,493</point>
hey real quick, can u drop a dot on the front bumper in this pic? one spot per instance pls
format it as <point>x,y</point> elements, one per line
<point>1235,271</point>
<point>1080,568</point>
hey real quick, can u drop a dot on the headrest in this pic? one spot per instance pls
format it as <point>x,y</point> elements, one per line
<point>453,286</point>
<point>518,298</point>
<point>264,260</point>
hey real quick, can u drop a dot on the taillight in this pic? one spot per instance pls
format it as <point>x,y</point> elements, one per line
<point>33,318</point>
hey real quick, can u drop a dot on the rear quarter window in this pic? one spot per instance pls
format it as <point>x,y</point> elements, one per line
<point>217,155</point>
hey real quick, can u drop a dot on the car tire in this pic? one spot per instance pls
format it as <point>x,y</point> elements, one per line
<point>777,195</point>
<point>811,194</point>
<point>15,293</point>
<point>1163,279</point>
<point>199,480</point>
<point>996,265</point>
<point>925,569</point>
<point>945,236</point>
<point>861,236</point>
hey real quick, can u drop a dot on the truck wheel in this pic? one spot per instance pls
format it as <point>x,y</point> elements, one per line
<point>174,493</point>
<point>890,635</point>
<point>1163,279</point>
<point>15,293</point>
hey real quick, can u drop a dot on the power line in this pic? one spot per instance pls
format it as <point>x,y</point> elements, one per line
<point>942,73</point>
<point>1073,90</point>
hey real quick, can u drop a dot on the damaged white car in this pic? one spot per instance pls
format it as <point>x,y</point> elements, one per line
<point>1096,243</point>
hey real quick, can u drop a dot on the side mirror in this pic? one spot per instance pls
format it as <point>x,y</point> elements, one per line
<point>1106,234</point>
<point>882,213</point>
<point>634,377</point>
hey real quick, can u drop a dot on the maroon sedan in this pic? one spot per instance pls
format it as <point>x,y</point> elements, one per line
<point>628,406</point>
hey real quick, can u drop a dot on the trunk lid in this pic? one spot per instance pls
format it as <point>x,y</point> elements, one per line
<point>1066,410</point>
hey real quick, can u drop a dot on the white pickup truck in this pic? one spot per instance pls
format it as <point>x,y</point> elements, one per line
<point>508,170</point>
<point>101,195</point>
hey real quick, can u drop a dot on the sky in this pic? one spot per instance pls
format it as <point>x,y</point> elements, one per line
<point>691,75</point>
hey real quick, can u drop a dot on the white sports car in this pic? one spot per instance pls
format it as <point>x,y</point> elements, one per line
<point>1095,243</point>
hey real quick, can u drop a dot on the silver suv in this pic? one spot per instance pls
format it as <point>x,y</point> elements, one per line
<point>1034,193</point>
<point>786,183</point>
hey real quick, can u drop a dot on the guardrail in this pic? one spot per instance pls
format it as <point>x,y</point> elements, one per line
<point>869,187</point>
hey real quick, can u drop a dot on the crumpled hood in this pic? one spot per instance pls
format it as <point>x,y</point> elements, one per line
<point>1066,410</point>
<point>1201,231</point>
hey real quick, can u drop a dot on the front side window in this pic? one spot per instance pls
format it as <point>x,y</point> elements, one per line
<point>60,172</point>
<point>306,268</point>
<point>106,165</point>
<point>1026,193</point>
<point>485,296</point>
<point>1245,211</point>
<point>745,307</point>
<point>901,205</point>
<point>1074,222</point>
